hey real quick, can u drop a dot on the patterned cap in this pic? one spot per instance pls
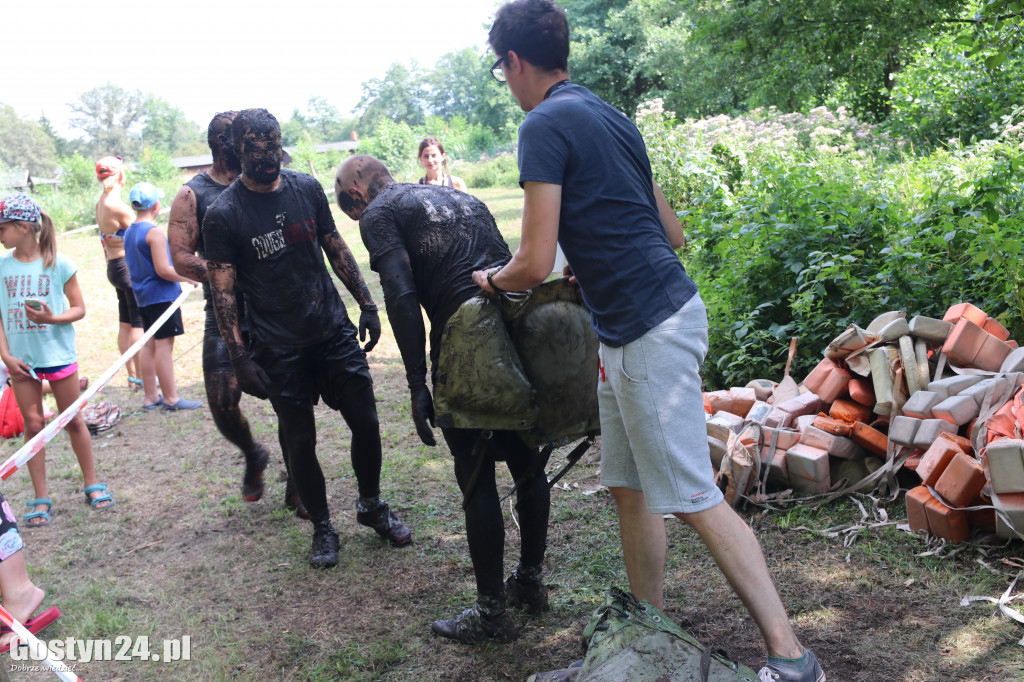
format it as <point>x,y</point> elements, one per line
<point>108,166</point>
<point>19,207</point>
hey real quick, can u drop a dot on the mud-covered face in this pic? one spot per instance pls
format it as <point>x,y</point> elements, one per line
<point>261,157</point>
<point>231,160</point>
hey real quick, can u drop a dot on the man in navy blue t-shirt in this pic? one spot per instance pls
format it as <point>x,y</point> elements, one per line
<point>588,187</point>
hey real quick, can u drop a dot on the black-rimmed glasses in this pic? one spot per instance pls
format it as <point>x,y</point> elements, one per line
<point>497,71</point>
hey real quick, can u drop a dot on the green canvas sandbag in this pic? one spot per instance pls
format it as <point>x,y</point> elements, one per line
<point>629,639</point>
<point>540,378</point>
<point>480,381</point>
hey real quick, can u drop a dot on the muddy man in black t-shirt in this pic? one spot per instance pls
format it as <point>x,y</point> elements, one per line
<point>425,241</point>
<point>267,234</point>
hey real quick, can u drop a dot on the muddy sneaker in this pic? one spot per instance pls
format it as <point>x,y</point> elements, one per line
<point>325,546</point>
<point>529,595</point>
<point>383,520</point>
<point>252,482</point>
<point>473,627</point>
<point>804,669</point>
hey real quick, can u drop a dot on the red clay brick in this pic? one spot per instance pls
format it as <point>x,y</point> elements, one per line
<point>935,460</point>
<point>964,342</point>
<point>947,523</point>
<point>961,481</point>
<point>873,440</point>
<point>965,310</point>
<point>917,500</point>
<point>996,329</point>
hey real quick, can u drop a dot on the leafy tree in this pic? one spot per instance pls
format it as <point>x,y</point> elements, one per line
<point>111,117</point>
<point>64,146</point>
<point>166,128</point>
<point>321,122</point>
<point>461,85</point>
<point>394,143</point>
<point>625,50</point>
<point>398,96</point>
<point>25,144</point>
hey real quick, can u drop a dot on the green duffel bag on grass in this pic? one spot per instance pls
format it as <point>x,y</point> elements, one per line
<point>629,639</point>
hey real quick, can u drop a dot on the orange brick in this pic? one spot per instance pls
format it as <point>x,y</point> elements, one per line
<point>718,401</point>
<point>947,523</point>
<point>862,391</point>
<point>917,500</point>
<point>963,443</point>
<point>873,440</point>
<point>828,380</point>
<point>961,481</point>
<point>964,342</point>
<point>993,327</point>
<point>850,411</point>
<point>965,310</point>
<point>742,400</point>
<point>833,426</point>
<point>993,352</point>
<point>935,460</point>
<point>913,460</point>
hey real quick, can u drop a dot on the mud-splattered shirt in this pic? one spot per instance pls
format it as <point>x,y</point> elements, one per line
<point>447,234</point>
<point>273,241</point>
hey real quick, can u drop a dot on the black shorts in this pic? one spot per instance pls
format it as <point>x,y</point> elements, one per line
<point>172,327</point>
<point>127,308</point>
<point>301,376</point>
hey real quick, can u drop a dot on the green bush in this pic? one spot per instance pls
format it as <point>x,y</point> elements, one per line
<point>800,225</point>
<point>394,144</point>
<point>501,171</point>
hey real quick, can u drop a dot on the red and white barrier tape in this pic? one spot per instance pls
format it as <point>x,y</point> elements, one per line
<point>37,647</point>
<point>39,441</point>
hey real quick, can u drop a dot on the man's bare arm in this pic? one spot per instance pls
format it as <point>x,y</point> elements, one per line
<point>673,229</point>
<point>345,267</point>
<point>183,236</point>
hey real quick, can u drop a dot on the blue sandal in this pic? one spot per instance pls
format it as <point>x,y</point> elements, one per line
<point>93,501</point>
<point>44,515</point>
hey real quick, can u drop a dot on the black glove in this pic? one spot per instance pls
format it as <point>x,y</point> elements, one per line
<point>369,321</point>
<point>423,413</point>
<point>251,377</point>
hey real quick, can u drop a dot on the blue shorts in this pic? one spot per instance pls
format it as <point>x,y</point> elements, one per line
<point>653,433</point>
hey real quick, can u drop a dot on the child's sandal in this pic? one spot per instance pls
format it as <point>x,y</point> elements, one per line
<point>100,499</point>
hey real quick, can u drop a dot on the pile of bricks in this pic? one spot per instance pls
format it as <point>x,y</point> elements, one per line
<point>940,395</point>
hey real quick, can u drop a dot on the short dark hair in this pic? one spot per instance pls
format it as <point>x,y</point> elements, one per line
<point>220,122</point>
<point>259,121</point>
<point>536,30</point>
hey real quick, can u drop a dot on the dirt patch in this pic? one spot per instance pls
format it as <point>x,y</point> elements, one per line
<point>182,554</point>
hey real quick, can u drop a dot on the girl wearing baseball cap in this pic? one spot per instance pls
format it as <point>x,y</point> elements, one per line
<point>37,340</point>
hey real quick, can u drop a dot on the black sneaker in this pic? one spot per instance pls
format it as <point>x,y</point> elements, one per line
<point>325,546</point>
<point>473,627</point>
<point>779,670</point>
<point>529,595</point>
<point>383,520</point>
<point>252,482</point>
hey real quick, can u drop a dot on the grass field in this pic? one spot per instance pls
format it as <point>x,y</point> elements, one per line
<point>182,554</point>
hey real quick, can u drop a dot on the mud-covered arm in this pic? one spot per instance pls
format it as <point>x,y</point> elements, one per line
<point>183,236</point>
<point>345,267</point>
<point>403,305</point>
<point>251,377</point>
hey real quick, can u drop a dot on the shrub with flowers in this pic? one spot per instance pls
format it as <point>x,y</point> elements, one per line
<point>800,224</point>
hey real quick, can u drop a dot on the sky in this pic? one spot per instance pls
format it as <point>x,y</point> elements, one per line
<point>207,56</point>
